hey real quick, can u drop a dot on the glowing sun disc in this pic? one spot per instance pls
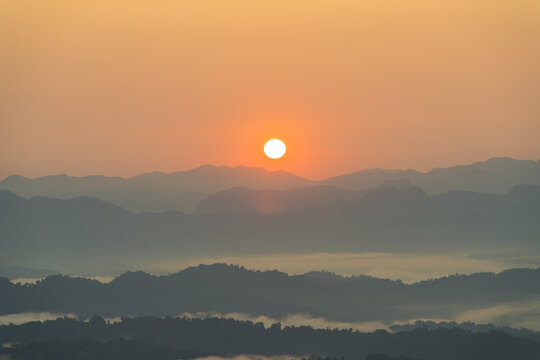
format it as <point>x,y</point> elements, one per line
<point>275,148</point>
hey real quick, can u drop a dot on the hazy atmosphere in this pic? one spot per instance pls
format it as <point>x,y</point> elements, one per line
<point>124,87</point>
<point>275,180</point>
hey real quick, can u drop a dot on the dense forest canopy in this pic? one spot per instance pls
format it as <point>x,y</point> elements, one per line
<point>222,288</point>
<point>226,337</point>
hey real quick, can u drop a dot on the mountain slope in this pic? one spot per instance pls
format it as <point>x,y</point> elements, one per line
<point>159,192</point>
<point>238,200</point>
<point>84,233</point>
<point>496,175</point>
<point>183,191</point>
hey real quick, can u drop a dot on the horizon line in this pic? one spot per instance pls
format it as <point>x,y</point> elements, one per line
<point>265,169</point>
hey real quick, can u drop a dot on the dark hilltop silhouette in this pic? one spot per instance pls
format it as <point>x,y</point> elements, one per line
<point>223,289</point>
<point>172,337</point>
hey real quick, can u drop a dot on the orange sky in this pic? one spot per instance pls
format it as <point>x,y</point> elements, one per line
<point>120,87</point>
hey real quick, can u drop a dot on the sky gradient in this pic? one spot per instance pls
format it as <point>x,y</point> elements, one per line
<point>120,87</point>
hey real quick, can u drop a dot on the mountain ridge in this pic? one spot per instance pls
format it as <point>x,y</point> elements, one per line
<point>185,190</point>
<point>42,230</point>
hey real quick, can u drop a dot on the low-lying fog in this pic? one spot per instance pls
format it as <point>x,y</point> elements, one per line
<point>406,267</point>
<point>515,314</point>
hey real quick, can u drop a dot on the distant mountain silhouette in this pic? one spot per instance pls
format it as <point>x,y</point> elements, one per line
<point>184,191</point>
<point>496,175</point>
<point>211,179</point>
<point>221,288</point>
<point>157,191</point>
<point>238,200</point>
<point>43,231</point>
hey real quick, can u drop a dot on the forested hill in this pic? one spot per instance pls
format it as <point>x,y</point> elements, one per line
<point>222,288</point>
<point>231,337</point>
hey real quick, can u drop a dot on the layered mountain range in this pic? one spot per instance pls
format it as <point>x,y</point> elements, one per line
<point>195,190</point>
<point>107,225</point>
<point>87,233</point>
<point>271,213</point>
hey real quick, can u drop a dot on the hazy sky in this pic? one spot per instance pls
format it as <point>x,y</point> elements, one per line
<point>121,87</point>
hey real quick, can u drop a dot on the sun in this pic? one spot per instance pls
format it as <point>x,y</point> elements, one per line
<point>275,148</point>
